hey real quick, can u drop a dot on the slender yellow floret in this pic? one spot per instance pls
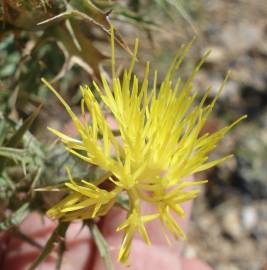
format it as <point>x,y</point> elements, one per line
<point>159,146</point>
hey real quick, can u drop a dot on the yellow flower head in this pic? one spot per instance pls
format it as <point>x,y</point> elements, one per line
<point>158,148</point>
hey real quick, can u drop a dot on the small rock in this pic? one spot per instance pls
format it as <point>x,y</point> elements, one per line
<point>249,217</point>
<point>217,55</point>
<point>231,224</point>
<point>190,252</point>
<point>241,37</point>
<point>251,154</point>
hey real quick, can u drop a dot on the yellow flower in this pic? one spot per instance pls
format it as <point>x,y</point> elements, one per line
<point>159,147</point>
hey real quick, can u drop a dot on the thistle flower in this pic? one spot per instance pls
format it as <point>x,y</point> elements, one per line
<point>159,147</point>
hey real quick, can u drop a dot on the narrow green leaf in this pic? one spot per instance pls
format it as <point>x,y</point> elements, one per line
<point>61,250</point>
<point>186,16</point>
<point>101,244</point>
<point>17,233</point>
<point>16,138</point>
<point>55,237</point>
<point>13,153</point>
<point>123,202</point>
<point>3,127</point>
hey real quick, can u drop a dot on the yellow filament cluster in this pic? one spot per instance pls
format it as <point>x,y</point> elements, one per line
<point>159,146</point>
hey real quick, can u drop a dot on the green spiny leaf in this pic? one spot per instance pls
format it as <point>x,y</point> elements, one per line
<point>16,217</point>
<point>15,140</point>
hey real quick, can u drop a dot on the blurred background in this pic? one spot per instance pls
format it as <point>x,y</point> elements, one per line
<point>71,47</point>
